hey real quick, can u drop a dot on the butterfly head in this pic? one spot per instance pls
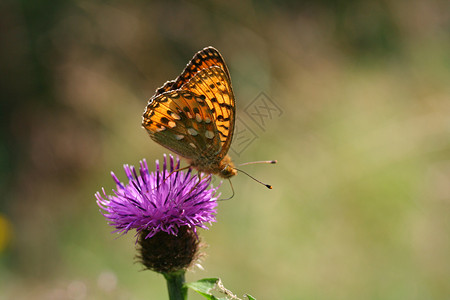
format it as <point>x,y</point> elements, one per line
<point>227,168</point>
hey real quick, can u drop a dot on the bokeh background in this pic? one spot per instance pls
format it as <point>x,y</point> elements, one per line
<point>361,202</point>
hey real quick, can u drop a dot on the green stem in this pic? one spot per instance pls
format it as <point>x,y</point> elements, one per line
<point>175,286</point>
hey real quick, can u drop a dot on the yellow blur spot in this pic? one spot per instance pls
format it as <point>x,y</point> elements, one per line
<point>5,232</point>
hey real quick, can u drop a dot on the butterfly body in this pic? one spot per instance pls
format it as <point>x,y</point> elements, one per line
<point>224,168</point>
<point>194,115</point>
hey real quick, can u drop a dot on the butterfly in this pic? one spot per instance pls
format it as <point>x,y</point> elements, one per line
<point>194,115</point>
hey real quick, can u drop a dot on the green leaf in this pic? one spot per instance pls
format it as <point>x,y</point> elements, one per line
<point>207,286</point>
<point>204,287</point>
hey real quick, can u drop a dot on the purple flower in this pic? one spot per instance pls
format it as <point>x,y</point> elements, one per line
<point>156,202</point>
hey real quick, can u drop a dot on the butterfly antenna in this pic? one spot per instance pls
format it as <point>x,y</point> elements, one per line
<point>259,162</point>
<point>232,189</point>
<point>266,185</point>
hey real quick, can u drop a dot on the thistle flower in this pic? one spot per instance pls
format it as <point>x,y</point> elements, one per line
<point>165,207</point>
<point>158,202</point>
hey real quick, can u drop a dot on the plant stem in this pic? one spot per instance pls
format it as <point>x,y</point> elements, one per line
<point>175,286</point>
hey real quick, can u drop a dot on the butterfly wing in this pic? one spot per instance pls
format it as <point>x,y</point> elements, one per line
<point>203,59</point>
<point>195,121</point>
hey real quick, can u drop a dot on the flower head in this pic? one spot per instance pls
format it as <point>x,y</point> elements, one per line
<point>160,201</point>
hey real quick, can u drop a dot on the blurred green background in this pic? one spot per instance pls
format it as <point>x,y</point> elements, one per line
<point>361,202</point>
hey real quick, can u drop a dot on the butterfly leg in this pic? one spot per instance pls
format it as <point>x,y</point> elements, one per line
<point>199,175</point>
<point>170,174</point>
<point>232,190</point>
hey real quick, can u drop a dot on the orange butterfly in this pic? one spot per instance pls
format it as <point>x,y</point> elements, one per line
<point>194,114</point>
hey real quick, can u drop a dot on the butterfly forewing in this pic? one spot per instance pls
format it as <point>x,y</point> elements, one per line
<point>214,86</point>
<point>203,59</point>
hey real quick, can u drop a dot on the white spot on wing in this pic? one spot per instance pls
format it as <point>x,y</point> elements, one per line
<point>175,116</point>
<point>192,131</point>
<point>209,134</point>
<point>179,136</point>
